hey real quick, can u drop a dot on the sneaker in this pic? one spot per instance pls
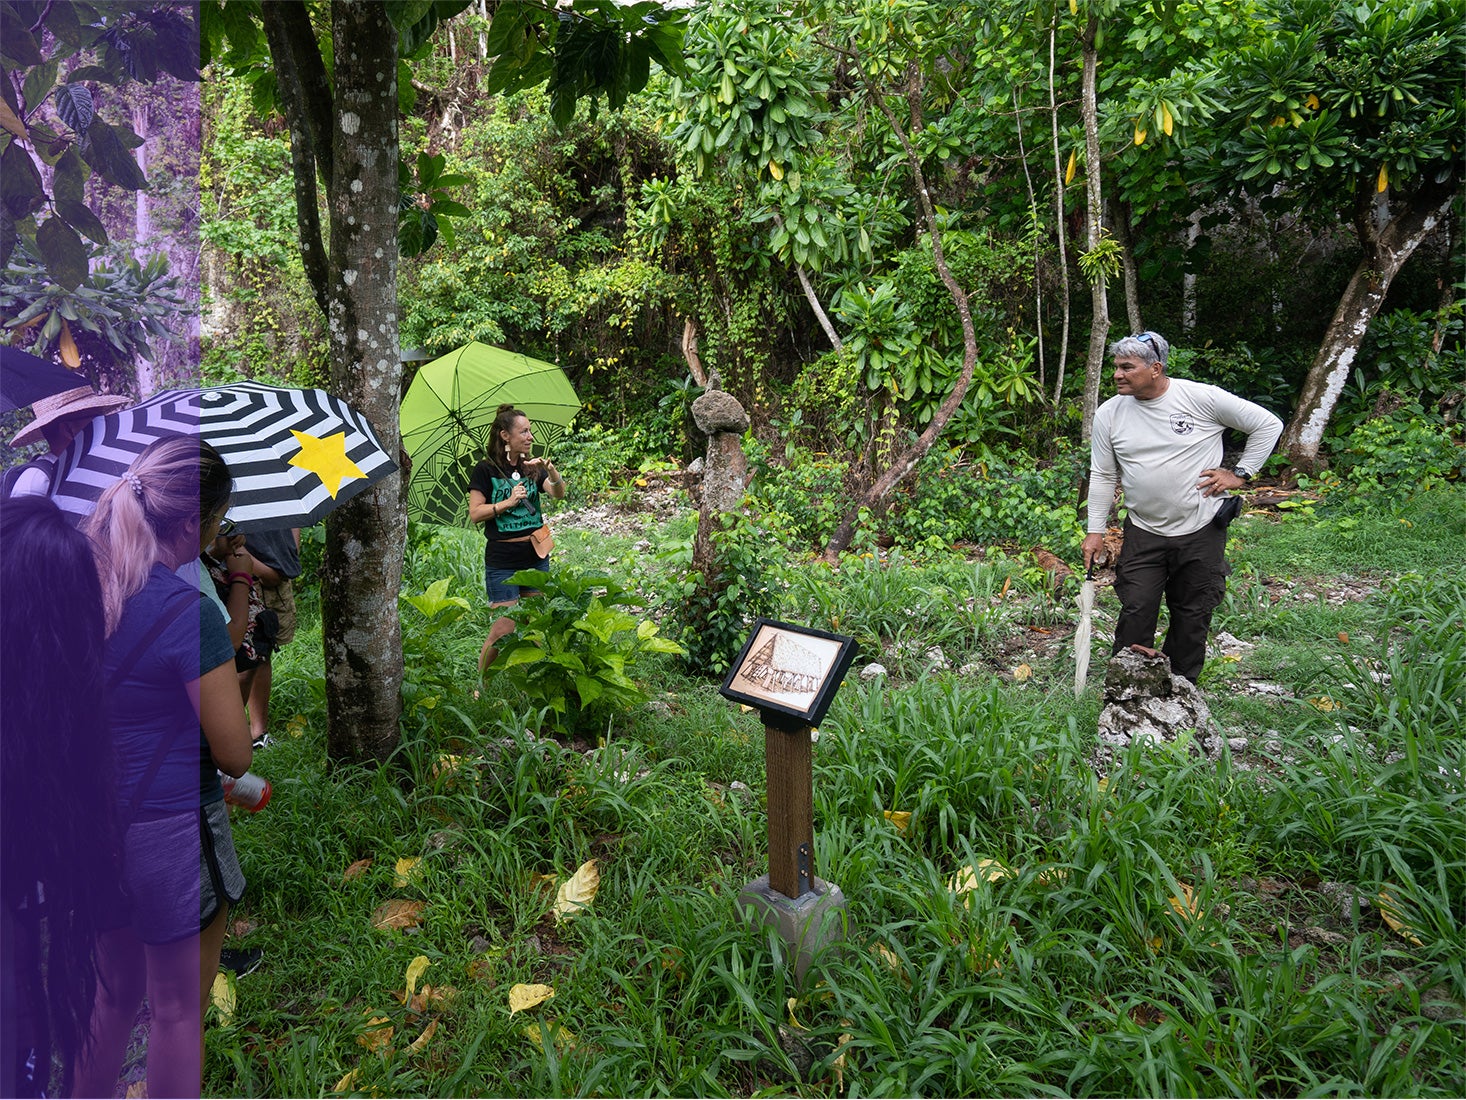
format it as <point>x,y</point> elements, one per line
<point>261,742</point>
<point>241,961</point>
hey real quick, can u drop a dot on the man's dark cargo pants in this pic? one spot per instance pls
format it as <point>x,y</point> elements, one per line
<point>1190,571</point>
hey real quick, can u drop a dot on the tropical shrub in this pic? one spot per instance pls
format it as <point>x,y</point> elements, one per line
<point>574,649</point>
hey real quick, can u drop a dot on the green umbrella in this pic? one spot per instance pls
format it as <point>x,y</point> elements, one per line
<point>449,412</point>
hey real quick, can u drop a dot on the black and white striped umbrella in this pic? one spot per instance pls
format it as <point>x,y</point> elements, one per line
<point>294,454</point>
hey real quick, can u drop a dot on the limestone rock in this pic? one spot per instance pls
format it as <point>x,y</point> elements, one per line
<point>1146,702</point>
<point>872,671</point>
<point>716,411</point>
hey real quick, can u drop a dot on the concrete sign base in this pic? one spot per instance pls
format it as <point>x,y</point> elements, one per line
<point>808,924</point>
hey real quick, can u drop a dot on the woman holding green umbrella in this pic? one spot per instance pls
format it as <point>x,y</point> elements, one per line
<point>504,494</point>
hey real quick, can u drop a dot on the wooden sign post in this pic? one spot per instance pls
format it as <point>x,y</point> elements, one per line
<point>789,764</point>
<point>791,674</point>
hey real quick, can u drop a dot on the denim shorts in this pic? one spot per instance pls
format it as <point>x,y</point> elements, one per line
<point>496,583</point>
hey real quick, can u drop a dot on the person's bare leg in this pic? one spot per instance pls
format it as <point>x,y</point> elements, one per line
<point>121,981</point>
<point>259,703</point>
<point>246,680</point>
<point>502,627</point>
<point>180,976</point>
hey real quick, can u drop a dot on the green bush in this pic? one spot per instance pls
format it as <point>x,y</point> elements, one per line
<point>574,650</point>
<point>1008,498</point>
<point>712,614</point>
<point>1405,452</point>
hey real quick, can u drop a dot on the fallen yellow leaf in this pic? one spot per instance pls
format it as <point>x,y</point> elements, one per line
<point>1323,702</point>
<point>405,871</point>
<point>1007,582</point>
<point>889,957</point>
<point>422,1040</point>
<point>375,1035</point>
<point>224,996</point>
<point>524,996</point>
<point>561,1036</point>
<point>792,1021</point>
<point>989,870</point>
<point>348,1082</point>
<point>431,996</point>
<point>398,913</point>
<point>1104,784</point>
<point>1189,908</point>
<point>1389,911</point>
<point>356,870</point>
<point>297,726</point>
<point>578,891</point>
<point>899,818</point>
<point>1022,672</point>
<point>1344,636</point>
<point>445,766</point>
<point>415,971</point>
<point>838,1065</point>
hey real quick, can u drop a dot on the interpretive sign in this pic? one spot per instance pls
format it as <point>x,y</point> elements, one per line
<point>791,673</point>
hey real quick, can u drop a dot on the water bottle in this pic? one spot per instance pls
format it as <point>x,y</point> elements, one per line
<point>249,791</point>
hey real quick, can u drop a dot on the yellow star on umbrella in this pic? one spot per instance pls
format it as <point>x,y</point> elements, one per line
<point>326,458</point>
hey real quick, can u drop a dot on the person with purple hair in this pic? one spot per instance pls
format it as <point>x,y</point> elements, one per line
<point>177,715</point>
<point>61,846</point>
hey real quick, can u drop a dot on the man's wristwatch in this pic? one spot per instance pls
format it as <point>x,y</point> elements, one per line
<point>1242,472</point>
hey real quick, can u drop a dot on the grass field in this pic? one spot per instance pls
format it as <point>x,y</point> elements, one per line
<point>1176,928</point>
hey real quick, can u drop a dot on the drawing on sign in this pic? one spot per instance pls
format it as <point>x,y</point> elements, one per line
<point>785,667</point>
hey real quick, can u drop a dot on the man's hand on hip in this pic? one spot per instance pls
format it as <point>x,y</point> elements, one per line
<point>1218,480</point>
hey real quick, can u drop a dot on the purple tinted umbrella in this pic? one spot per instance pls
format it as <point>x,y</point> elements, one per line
<point>26,378</point>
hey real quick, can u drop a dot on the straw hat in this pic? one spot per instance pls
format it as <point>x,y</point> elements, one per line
<point>72,404</point>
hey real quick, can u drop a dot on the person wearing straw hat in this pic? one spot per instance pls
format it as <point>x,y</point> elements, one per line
<point>58,420</point>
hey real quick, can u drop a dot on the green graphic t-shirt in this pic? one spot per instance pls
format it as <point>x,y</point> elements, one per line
<point>496,484</point>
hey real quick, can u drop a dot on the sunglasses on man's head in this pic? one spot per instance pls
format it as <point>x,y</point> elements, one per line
<point>1144,338</point>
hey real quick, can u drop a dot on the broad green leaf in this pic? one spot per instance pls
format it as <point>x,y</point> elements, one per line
<point>526,656</point>
<point>63,252</point>
<point>107,152</point>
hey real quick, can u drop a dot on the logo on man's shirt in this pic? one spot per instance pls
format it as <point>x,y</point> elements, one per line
<point>1182,424</point>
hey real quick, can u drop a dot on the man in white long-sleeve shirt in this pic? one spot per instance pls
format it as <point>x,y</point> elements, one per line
<point>1161,439</point>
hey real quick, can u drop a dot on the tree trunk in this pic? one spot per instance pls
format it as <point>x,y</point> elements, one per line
<point>905,462</point>
<point>1059,219</point>
<point>1038,292</point>
<point>1121,222</point>
<point>819,311</point>
<point>1383,257</point>
<point>1188,278</point>
<point>362,570</point>
<point>1099,328</point>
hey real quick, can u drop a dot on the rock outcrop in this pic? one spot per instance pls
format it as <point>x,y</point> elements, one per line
<point>1146,702</point>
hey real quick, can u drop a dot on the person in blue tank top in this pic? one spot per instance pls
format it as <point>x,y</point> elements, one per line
<point>177,717</point>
